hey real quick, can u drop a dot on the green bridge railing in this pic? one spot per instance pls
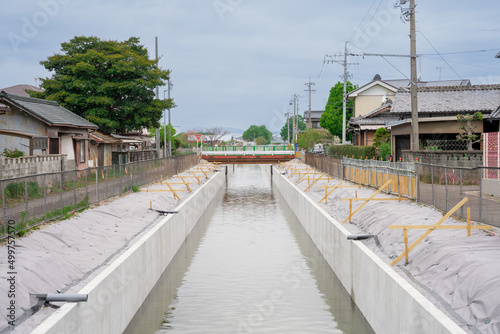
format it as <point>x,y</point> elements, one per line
<point>256,148</point>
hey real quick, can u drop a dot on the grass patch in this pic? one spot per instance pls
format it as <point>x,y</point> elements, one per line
<point>67,212</point>
<point>132,188</point>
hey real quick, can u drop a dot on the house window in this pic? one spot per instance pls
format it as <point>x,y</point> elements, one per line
<point>82,151</point>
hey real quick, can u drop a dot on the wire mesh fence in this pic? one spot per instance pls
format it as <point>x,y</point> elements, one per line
<point>443,187</point>
<point>439,186</point>
<point>445,145</point>
<point>36,199</point>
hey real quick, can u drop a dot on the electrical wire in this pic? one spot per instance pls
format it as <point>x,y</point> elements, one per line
<point>452,53</point>
<point>360,23</point>
<point>472,65</point>
<point>495,105</point>
<point>395,67</point>
<point>446,62</point>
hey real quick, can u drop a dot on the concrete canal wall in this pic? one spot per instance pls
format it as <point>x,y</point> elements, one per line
<point>116,294</point>
<point>389,303</point>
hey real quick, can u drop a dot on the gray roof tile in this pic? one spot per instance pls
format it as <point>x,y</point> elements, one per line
<point>496,114</point>
<point>48,111</point>
<point>450,99</point>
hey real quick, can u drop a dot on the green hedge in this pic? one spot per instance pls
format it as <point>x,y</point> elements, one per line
<point>350,150</point>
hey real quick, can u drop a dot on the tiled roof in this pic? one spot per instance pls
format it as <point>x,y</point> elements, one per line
<point>20,90</point>
<point>377,120</point>
<point>496,114</point>
<point>484,98</point>
<point>103,138</point>
<point>405,84</point>
<point>49,112</point>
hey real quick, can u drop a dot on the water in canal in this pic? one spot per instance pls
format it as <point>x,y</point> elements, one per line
<point>248,267</point>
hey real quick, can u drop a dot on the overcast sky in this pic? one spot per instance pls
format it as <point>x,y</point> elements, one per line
<point>237,62</point>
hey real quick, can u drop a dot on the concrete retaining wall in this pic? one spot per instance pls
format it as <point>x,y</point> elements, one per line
<point>116,294</point>
<point>389,303</point>
<point>491,187</point>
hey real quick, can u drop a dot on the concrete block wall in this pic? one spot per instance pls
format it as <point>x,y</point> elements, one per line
<point>27,166</point>
<point>389,303</point>
<point>116,294</point>
<point>470,159</point>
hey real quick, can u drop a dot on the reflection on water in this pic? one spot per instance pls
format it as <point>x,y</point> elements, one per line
<point>249,267</point>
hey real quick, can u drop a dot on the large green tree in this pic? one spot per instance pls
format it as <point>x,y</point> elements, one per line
<point>254,132</point>
<point>110,83</point>
<point>331,119</point>
<point>299,121</point>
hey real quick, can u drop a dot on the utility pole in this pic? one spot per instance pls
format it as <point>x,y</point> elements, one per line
<point>413,89</point>
<point>164,129</point>
<point>288,126</point>
<point>294,102</point>
<point>156,48</point>
<point>170,85</point>
<point>295,120</point>
<point>342,60</point>
<point>310,84</point>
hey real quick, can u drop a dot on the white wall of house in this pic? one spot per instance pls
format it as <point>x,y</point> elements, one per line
<point>371,98</point>
<point>67,147</point>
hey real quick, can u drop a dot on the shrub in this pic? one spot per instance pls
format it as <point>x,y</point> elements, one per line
<point>351,150</point>
<point>385,149</point>
<point>12,153</point>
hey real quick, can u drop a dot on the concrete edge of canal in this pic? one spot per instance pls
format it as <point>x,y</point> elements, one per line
<point>117,293</point>
<point>388,302</point>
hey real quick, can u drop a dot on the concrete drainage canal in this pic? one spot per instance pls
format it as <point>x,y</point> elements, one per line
<point>248,267</point>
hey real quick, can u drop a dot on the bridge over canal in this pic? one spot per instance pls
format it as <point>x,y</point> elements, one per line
<point>260,154</point>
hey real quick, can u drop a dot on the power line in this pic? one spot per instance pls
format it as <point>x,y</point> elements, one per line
<point>395,68</point>
<point>452,53</point>
<point>373,16</point>
<point>472,65</point>
<point>421,33</point>
<point>481,95</point>
<point>360,23</point>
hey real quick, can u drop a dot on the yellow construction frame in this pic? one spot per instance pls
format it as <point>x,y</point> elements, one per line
<point>436,226</point>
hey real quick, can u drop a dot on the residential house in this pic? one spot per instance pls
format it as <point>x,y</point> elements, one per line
<point>438,108</point>
<point>101,149</point>
<point>315,117</point>
<point>375,97</point>
<point>41,127</point>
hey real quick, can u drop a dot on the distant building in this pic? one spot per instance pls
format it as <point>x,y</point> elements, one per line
<point>315,116</point>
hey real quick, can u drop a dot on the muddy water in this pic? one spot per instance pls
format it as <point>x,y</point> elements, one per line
<point>248,267</point>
